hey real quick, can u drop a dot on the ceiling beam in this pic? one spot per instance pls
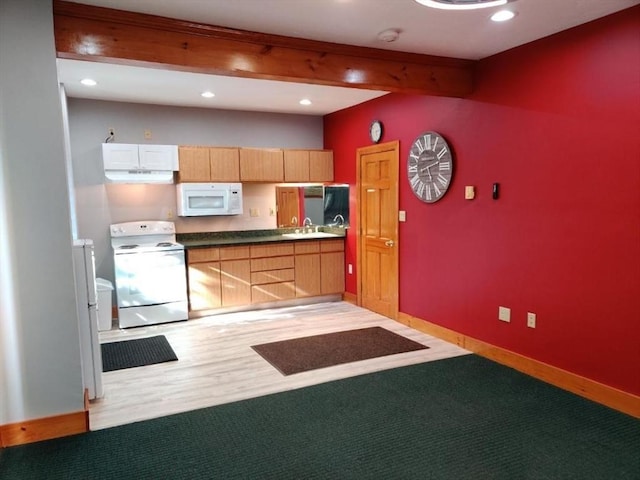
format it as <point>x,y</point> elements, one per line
<point>84,32</point>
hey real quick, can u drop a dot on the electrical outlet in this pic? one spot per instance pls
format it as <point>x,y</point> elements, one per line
<point>504,314</point>
<point>254,212</point>
<point>148,135</point>
<point>169,214</point>
<point>272,211</point>
<point>531,320</point>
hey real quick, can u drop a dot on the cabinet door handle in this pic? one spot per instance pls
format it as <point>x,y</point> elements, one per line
<point>389,243</point>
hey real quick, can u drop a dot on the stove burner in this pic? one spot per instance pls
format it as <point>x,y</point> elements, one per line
<point>164,244</point>
<point>127,247</point>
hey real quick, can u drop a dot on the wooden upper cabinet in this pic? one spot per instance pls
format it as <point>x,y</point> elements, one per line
<point>209,164</point>
<point>320,166</point>
<point>224,164</point>
<point>261,165</point>
<point>194,164</point>
<point>296,165</point>
<point>308,166</point>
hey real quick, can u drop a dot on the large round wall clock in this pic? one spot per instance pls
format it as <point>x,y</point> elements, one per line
<point>430,167</point>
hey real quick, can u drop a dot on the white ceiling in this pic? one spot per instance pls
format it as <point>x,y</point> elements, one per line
<point>458,34</point>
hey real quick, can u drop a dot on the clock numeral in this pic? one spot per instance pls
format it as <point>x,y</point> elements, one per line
<point>414,156</point>
<point>442,152</point>
<point>427,142</point>
<point>443,181</point>
<point>435,143</point>
<point>445,166</point>
<point>415,180</point>
<point>419,146</point>
<point>437,190</point>
<point>420,189</point>
<point>413,168</point>
<point>428,196</point>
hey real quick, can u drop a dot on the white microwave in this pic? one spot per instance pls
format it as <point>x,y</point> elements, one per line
<point>200,199</point>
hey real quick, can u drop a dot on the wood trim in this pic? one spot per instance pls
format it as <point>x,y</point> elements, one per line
<point>611,397</point>
<point>85,32</point>
<point>350,297</point>
<point>44,428</point>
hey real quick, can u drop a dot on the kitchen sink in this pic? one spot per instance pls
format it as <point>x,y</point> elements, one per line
<point>309,235</point>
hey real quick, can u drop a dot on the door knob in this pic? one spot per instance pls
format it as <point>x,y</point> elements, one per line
<point>389,243</point>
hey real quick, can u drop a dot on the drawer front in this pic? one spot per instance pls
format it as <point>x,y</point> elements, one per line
<point>332,246</point>
<point>272,292</point>
<point>271,250</point>
<point>209,254</point>
<point>307,247</point>
<point>233,253</point>
<point>271,263</point>
<point>272,276</point>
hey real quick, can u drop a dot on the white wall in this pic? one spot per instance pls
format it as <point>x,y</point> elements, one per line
<point>40,372</point>
<point>99,205</point>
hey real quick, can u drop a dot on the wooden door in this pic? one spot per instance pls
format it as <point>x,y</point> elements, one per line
<point>287,200</point>
<point>378,217</point>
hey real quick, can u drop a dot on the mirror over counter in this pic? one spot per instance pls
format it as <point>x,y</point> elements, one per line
<point>320,204</point>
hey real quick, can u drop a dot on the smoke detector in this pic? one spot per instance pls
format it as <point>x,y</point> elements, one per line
<point>389,35</point>
<point>462,4</point>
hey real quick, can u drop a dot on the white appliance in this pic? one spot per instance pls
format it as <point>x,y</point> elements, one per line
<point>150,273</point>
<point>199,199</point>
<point>86,298</point>
<point>132,163</point>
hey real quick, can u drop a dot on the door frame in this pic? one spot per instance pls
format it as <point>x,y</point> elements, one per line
<point>393,146</point>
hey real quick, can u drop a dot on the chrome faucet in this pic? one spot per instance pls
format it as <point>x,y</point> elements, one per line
<point>294,220</point>
<point>339,217</point>
<point>305,224</point>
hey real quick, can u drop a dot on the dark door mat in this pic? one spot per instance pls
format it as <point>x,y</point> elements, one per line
<point>136,353</point>
<point>320,351</point>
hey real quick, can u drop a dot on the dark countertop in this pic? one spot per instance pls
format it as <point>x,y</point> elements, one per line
<point>248,237</point>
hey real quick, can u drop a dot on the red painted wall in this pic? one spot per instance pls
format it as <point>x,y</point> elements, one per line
<point>557,124</point>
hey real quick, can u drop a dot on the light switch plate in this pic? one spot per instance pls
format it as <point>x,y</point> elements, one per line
<point>504,314</point>
<point>402,216</point>
<point>469,192</point>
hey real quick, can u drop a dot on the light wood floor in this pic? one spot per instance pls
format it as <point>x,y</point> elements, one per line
<point>217,364</point>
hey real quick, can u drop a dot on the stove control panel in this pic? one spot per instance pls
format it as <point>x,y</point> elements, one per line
<point>129,229</point>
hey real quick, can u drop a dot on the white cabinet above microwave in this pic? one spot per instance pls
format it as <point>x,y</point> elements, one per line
<point>127,156</point>
<point>132,163</point>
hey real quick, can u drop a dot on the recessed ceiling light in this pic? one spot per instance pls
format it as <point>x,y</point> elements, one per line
<point>305,101</point>
<point>462,4</point>
<point>208,94</point>
<point>502,16</point>
<point>88,82</point>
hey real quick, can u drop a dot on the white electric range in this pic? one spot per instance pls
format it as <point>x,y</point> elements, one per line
<point>150,273</point>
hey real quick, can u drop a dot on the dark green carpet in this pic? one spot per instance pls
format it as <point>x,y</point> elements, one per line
<point>461,418</point>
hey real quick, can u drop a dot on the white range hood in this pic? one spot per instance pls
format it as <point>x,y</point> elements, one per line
<point>132,163</point>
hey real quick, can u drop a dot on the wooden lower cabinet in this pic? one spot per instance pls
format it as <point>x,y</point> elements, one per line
<point>235,280</point>
<point>242,275</point>
<point>204,286</point>
<point>204,278</point>
<point>332,266</point>
<point>332,273</point>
